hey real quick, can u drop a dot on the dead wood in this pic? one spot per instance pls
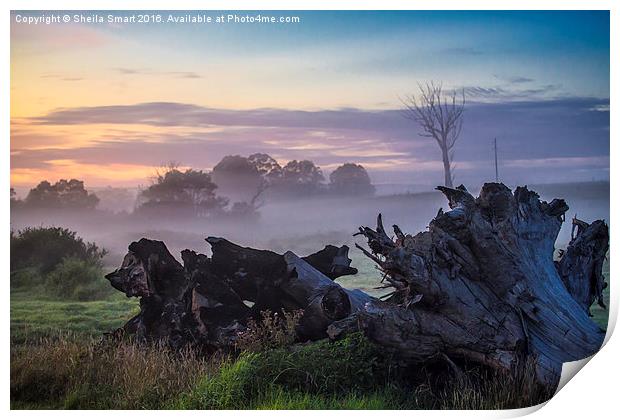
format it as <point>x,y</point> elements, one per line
<point>479,286</point>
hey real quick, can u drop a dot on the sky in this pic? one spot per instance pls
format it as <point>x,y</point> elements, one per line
<point>110,102</point>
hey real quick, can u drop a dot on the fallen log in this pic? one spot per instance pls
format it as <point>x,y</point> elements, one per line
<point>213,298</point>
<point>332,261</point>
<point>478,287</point>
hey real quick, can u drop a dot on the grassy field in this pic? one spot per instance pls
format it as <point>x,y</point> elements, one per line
<point>35,315</point>
<point>69,372</point>
<point>58,360</point>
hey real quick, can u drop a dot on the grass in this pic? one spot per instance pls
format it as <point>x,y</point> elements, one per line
<point>73,373</point>
<point>77,373</point>
<point>59,361</point>
<point>37,315</point>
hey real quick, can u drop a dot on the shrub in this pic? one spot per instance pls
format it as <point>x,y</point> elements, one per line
<point>26,277</point>
<point>325,367</point>
<point>322,368</point>
<point>76,279</point>
<point>46,247</point>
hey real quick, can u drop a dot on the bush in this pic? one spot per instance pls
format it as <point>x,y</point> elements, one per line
<point>76,279</point>
<point>59,262</point>
<point>324,367</point>
<point>345,367</point>
<point>46,247</point>
<point>26,277</point>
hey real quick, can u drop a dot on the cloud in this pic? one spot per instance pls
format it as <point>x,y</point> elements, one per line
<point>514,79</point>
<point>62,78</point>
<point>534,137</point>
<point>179,114</point>
<point>484,92</point>
<point>149,72</point>
<point>559,162</point>
<point>519,79</point>
<point>514,93</point>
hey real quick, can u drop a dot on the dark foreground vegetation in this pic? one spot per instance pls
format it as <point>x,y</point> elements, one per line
<point>76,373</point>
<point>58,360</point>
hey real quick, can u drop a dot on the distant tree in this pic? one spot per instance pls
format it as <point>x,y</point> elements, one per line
<point>191,191</point>
<point>62,195</point>
<point>116,199</point>
<point>248,210</point>
<point>15,202</point>
<point>302,177</point>
<point>237,178</point>
<point>351,179</point>
<point>441,117</point>
<point>267,166</point>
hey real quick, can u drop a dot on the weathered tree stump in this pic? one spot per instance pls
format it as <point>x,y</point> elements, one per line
<point>479,286</point>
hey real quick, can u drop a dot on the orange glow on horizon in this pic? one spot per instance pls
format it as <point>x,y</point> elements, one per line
<point>94,175</point>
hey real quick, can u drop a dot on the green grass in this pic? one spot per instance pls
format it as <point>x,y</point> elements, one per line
<point>73,373</point>
<point>57,363</point>
<point>34,315</point>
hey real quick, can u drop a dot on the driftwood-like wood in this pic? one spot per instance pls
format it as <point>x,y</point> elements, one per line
<point>581,265</point>
<point>479,286</point>
<point>209,301</point>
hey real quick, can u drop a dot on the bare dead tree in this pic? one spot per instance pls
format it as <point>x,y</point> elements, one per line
<point>440,114</point>
<point>255,202</point>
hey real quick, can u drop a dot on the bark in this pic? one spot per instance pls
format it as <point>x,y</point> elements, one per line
<point>332,261</point>
<point>447,168</point>
<point>208,301</point>
<point>479,286</point>
<point>581,264</point>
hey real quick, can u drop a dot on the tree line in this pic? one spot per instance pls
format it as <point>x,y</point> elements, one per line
<point>237,186</point>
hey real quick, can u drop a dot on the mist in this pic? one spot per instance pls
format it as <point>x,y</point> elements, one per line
<point>303,225</point>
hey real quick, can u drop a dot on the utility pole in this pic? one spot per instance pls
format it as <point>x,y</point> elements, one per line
<point>496,171</point>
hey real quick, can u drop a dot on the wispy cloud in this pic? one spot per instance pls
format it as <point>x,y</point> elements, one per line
<point>559,162</point>
<point>62,78</point>
<point>534,137</point>
<point>514,79</point>
<point>514,91</point>
<point>151,72</point>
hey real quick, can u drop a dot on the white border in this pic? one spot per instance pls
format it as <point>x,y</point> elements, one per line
<point>593,393</point>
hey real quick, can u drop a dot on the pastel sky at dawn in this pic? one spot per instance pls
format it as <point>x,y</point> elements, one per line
<point>109,102</point>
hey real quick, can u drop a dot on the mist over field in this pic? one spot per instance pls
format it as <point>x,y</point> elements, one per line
<point>302,225</point>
